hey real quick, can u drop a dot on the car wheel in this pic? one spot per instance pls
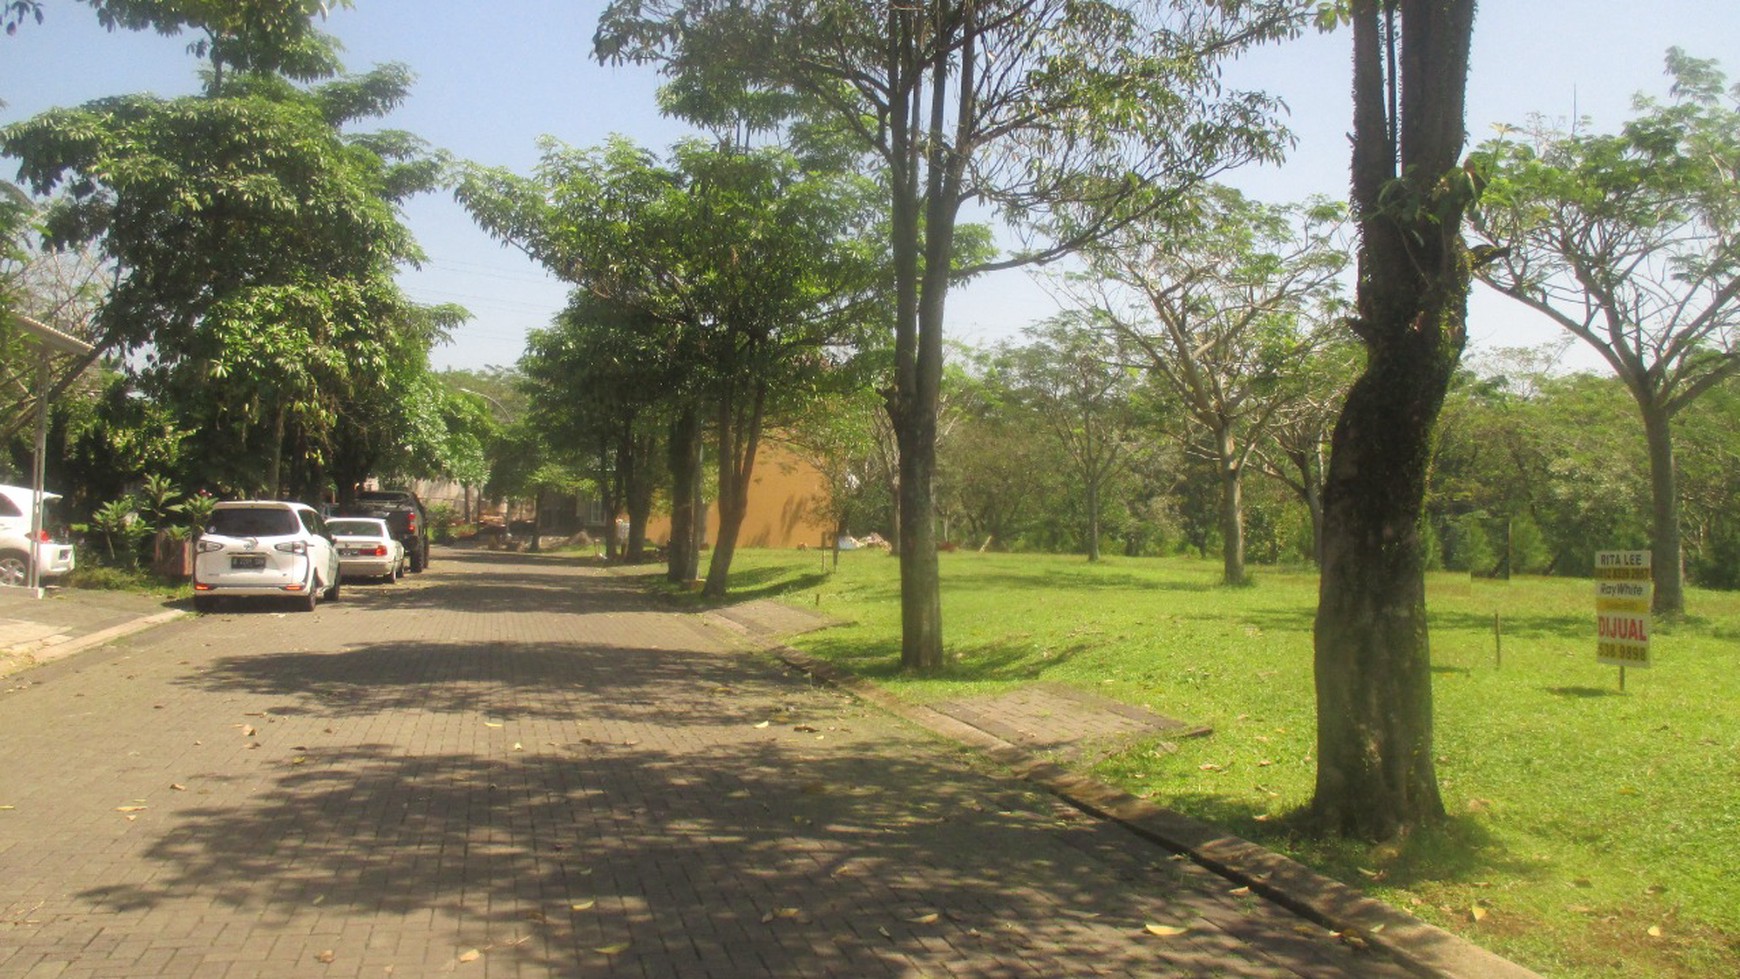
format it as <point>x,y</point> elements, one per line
<point>332,593</point>
<point>205,604</point>
<point>14,568</point>
<point>416,562</point>
<point>311,595</point>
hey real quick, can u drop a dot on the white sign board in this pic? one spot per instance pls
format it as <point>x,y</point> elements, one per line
<point>1623,590</point>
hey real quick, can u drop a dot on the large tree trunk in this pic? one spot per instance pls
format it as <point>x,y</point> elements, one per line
<point>1667,563</point>
<point>1375,774</point>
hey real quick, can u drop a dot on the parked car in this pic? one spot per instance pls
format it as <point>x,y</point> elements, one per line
<point>366,548</point>
<point>17,551</point>
<point>405,516</point>
<point>265,548</point>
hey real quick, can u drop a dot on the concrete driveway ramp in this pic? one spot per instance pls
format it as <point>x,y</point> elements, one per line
<point>1053,718</point>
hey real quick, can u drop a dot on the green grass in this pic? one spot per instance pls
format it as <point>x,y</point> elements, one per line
<point>1582,817</point>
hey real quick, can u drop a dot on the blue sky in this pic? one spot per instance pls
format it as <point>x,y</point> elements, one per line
<point>493,77</point>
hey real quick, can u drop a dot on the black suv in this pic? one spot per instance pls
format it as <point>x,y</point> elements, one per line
<point>404,515</point>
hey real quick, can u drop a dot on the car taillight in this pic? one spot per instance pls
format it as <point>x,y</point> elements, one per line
<point>411,523</point>
<point>292,547</point>
<point>207,546</point>
<point>42,535</point>
<point>379,551</point>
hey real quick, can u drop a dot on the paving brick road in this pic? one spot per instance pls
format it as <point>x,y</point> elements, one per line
<point>512,766</point>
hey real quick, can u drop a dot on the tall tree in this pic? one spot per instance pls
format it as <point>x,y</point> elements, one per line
<point>1023,105</point>
<point>1074,377</point>
<point>254,245</point>
<point>1631,243</point>
<point>757,270</point>
<point>1223,299</point>
<point>1375,775</point>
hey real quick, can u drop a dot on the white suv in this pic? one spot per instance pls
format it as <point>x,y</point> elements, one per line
<point>265,548</point>
<point>17,550</point>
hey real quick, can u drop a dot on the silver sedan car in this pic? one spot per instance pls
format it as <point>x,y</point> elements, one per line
<point>367,548</point>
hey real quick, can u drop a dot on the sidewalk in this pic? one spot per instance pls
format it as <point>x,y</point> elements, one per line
<point>34,631</point>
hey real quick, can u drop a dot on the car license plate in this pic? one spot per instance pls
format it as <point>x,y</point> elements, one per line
<point>244,562</point>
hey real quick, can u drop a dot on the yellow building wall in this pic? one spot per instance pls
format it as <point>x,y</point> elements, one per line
<point>786,500</point>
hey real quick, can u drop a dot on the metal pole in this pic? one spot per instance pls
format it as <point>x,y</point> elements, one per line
<point>39,471</point>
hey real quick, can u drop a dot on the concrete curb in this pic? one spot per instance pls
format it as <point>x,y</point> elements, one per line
<point>1424,948</point>
<point>48,650</point>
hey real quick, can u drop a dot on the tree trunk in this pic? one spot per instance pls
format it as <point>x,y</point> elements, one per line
<point>682,555</point>
<point>739,437</point>
<point>1375,772</point>
<point>610,487</point>
<point>1093,524</point>
<point>1232,525</point>
<point>639,498</point>
<point>1667,563</point>
<point>1232,510</point>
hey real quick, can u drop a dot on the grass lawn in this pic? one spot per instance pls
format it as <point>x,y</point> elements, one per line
<point>1593,832</point>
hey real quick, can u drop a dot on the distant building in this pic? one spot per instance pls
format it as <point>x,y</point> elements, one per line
<point>787,505</point>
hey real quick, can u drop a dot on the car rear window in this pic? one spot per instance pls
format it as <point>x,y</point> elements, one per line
<point>251,522</point>
<point>358,528</point>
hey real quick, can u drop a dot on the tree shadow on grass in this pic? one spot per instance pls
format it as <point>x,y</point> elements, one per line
<point>1583,693</point>
<point>1459,851</point>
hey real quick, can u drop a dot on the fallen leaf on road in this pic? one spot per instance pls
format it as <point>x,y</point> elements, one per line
<point>130,808</point>
<point>1166,931</point>
<point>177,787</point>
<point>617,949</point>
<point>1239,891</point>
<point>1655,931</point>
<point>924,919</point>
<point>763,724</point>
<point>805,729</point>
<point>1477,912</point>
<point>583,905</point>
<point>298,760</point>
<point>470,955</point>
<point>518,747</point>
<point>326,956</point>
<point>492,724</point>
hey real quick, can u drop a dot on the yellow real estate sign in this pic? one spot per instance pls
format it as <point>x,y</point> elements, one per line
<point>1623,590</point>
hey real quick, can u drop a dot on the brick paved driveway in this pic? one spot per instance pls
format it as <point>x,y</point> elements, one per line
<point>511,766</point>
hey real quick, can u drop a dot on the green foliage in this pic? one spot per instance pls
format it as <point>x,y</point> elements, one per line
<point>256,246</point>
<point>118,524</point>
<point>275,36</point>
